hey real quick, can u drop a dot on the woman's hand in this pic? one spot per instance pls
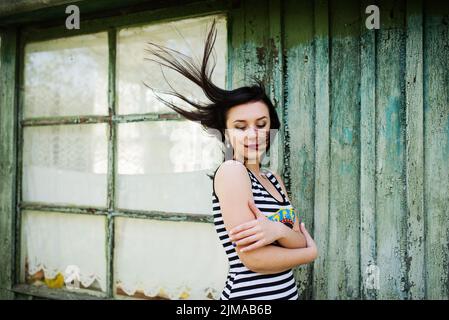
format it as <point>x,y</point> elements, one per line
<point>310,242</point>
<point>255,233</point>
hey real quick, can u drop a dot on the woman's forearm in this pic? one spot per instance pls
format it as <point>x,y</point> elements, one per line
<point>290,238</point>
<point>272,259</point>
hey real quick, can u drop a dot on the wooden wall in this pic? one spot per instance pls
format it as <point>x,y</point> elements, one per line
<point>365,140</point>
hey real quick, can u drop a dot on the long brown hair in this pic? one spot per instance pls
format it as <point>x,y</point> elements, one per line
<point>211,115</point>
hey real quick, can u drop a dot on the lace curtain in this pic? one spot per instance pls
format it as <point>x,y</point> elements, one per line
<point>176,260</point>
<point>51,242</point>
<point>172,260</point>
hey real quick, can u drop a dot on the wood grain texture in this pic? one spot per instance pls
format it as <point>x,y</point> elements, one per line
<point>390,148</point>
<point>436,149</point>
<point>8,144</point>
<point>414,151</point>
<point>322,148</point>
<point>368,256</point>
<point>299,74</point>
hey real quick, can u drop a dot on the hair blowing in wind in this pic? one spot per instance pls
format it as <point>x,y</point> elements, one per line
<point>210,114</point>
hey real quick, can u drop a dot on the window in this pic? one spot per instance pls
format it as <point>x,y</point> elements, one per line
<point>114,188</point>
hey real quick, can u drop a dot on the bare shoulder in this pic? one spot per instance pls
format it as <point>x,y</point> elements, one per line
<point>231,174</point>
<point>230,168</point>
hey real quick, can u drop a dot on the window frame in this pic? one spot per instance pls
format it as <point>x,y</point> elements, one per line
<point>111,25</point>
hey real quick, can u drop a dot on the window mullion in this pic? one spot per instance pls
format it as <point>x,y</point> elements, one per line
<point>112,165</point>
<point>19,116</point>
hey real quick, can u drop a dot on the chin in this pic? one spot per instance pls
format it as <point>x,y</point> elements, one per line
<point>254,157</point>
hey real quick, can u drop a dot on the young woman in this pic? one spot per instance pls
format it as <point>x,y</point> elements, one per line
<point>258,228</point>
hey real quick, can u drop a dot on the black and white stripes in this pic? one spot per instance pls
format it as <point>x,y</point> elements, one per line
<point>243,283</point>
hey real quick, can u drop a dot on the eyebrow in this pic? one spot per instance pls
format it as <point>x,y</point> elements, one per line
<point>245,120</point>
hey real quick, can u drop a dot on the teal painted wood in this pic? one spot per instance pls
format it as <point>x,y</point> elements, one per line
<point>401,247</point>
<point>237,48</point>
<point>257,54</point>
<point>8,129</point>
<point>414,151</point>
<point>300,118</point>
<point>322,145</point>
<point>390,147</point>
<point>344,219</point>
<point>274,71</point>
<point>256,39</point>
<point>368,256</point>
<point>436,149</point>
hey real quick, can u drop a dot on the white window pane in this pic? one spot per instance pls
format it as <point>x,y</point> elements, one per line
<point>57,246</point>
<point>163,165</point>
<point>66,76</point>
<point>186,36</point>
<point>65,164</point>
<point>174,260</point>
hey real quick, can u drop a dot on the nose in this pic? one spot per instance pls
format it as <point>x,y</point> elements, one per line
<point>252,133</point>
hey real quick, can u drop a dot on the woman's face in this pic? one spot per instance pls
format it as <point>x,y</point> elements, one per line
<point>247,130</point>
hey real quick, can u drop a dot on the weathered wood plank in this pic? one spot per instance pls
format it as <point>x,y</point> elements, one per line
<point>256,31</point>
<point>300,118</point>
<point>8,107</point>
<point>344,222</point>
<point>262,54</point>
<point>8,8</point>
<point>322,160</point>
<point>236,48</point>
<point>95,13</point>
<point>390,147</point>
<point>368,263</point>
<point>436,148</point>
<point>414,151</point>
<point>274,72</point>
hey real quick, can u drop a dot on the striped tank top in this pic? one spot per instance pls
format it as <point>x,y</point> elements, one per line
<point>243,283</point>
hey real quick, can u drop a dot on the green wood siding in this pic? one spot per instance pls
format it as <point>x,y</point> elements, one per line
<point>8,129</point>
<point>364,148</point>
<point>365,137</point>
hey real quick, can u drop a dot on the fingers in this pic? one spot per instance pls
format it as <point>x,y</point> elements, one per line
<point>242,227</point>
<point>309,239</point>
<point>253,246</point>
<point>295,228</point>
<point>249,240</point>
<point>304,231</point>
<point>244,233</point>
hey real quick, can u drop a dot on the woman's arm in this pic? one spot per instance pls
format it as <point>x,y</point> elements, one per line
<point>290,238</point>
<point>233,188</point>
<point>243,234</point>
<point>272,259</point>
